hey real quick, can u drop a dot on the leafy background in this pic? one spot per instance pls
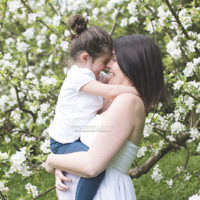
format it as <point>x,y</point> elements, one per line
<point>34,55</point>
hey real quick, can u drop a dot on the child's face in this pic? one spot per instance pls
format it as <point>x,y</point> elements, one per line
<point>100,63</point>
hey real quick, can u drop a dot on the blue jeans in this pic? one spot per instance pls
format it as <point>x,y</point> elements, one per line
<point>87,187</point>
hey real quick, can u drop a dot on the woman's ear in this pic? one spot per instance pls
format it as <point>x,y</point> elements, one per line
<point>84,57</point>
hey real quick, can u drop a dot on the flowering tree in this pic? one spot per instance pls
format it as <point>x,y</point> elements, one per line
<point>34,50</point>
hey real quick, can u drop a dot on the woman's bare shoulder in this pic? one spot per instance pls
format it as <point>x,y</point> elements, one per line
<point>131,101</point>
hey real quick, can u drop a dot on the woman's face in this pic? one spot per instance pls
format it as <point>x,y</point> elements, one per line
<point>116,75</point>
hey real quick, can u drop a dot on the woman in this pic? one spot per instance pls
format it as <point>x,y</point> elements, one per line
<point>136,63</point>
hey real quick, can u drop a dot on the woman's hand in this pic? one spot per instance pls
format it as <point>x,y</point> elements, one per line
<point>59,180</point>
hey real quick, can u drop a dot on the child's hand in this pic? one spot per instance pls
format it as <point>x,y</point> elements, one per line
<point>60,178</point>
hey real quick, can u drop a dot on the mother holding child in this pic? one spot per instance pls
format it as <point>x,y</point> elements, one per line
<point>96,150</point>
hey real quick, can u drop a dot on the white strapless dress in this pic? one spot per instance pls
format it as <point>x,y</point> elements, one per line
<point>117,184</point>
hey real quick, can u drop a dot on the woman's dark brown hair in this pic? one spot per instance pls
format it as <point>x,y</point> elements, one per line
<point>139,59</point>
<point>94,40</point>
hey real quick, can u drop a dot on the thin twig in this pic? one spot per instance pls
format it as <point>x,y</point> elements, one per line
<point>187,156</point>
<point>54,10</point>
<point>4,14</point>
<point>196,98</point>
<point>115,24</point>
<point>2,196</point>
<point>197,124</point>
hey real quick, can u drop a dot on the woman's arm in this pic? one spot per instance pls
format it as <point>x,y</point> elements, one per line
<point>120,119</point>
<point>107,90</point>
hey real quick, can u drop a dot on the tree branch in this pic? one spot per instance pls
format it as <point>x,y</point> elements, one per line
<point>22,108</point>
<point>177,19</point>
<point>44,193</point>
<point>144,168</point>
<point>197,124</point>
<point>179,22</point>
<point>41,21</point>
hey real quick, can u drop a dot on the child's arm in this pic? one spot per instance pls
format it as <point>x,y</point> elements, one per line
<point>103,77</point>
<point>107,91</point>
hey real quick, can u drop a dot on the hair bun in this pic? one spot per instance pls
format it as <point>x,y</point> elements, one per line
<point>78,23</point>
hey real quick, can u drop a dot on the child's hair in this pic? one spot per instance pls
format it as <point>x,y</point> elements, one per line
<point>94,40</point>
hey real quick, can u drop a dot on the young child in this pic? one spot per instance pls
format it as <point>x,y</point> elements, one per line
<point>81,94</point>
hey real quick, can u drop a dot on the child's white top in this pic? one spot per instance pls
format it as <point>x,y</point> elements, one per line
<point>74,108</point>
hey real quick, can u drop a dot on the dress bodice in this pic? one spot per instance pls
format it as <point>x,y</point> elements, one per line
<point>123,159</point>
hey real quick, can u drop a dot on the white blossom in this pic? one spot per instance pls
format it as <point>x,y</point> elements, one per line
<point>22,46</point>
<point>14,6</point>
<point>188,176</point>
<point>18,163</point>
<point>169,183</point>
<point>133,19</point>
<point>56,20</point>
<point>179,169</point>
<point>41,13</point>
<point>44,107</point>
<point>3,156</point>
<point>151,26</point>
<point>45,146</point>
<point>3,188</point>
<point>171,138</point>
<point>173,48</point>
<point>19,157</point>
<point>9,41</point>
<point>4,99</point>
<point>28,139</point>
<point>177,127</point>
<point>21,15</point>
<point>185,18</point>
<point>32,17</point>
<point>40,39</point>
<point>7,56</point>
<point>191,45</point>
<point>157,174</point>
<point>147,130</point>
<point>53,38</point>
<point>178,84</point>
<point>32,189</point>
<point>162,14</point>
<point>29,33</point>
<point>124,22</point>
<point>132,8</point>
<point>7,139</point>
<point>161,143</point>
<point>66,33</point>
<point>189,102</point>
<point>103,10</point>
<point>198,108</point>
<point>64,45</point>
<point>198,148</point>
<point>95,12</point>
<point>141,151</point>
<point>48,81</point>
<point>194,133</point>
<point>194,197</point>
